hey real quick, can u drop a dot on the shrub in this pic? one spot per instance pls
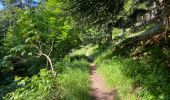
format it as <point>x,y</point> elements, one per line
<point>39,87</point>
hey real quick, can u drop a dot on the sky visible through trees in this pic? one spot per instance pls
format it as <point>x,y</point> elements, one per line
<point>1,6</point>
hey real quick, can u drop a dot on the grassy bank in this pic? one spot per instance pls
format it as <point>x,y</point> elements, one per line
<point>145,78</point>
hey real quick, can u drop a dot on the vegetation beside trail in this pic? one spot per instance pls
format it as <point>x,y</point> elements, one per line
<point>75,81</point>
<point>71,83</point>
<point>135,77</point>
<point>45,46</point>
<point>35,43</point>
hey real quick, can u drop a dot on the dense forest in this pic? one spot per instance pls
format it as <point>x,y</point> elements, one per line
<point>67,49</point>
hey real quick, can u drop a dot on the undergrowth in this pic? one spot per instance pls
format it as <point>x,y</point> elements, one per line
<point>145,78</point>
<point>71,83</point>
<point>75,81</point>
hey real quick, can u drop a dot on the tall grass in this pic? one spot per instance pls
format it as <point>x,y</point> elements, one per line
<point>75,81</point>
<point>115,78</point>
<point>144,79</point>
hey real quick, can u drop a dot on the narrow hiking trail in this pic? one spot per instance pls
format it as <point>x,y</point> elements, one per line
<point>99,90</point>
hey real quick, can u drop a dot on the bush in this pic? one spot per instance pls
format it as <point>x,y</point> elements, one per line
<point>39,87</point>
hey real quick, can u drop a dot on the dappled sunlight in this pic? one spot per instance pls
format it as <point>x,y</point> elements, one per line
<point>84,49</point>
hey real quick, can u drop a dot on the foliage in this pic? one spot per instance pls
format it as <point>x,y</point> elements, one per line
<point>46,27</point>
<point>35,28</point>
<point>39,87</point>
<point>54,28</point>
<point>92,12</point>
<point>93,35</point>
<point>71,83</point>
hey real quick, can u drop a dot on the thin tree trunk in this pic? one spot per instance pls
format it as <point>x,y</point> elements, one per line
<point>108,30</point>
<point>51,65</point>
<point>109,37</point>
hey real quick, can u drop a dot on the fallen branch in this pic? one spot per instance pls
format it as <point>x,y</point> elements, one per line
<point>136,39</point>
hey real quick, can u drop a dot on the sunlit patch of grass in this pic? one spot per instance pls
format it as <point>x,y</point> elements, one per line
<point>101,54</point>
<point>75,81</point>
<point>91,49</point>
<point>110,68</point>
<point>80,51</point>
<point>145,79</point>
<point>142,30</point>
<point>115,78</point>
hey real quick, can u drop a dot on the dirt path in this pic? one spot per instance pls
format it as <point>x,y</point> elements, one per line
<point>99,89</point>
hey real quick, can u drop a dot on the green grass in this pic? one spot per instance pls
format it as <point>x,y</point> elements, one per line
<point>75,80</point>
<point>80,51</point>
<point>144,79</point>
<point>86,50</point>
<point>72,83</point>
<point>74,77</point>
<point>141,31</point>
<point>115,78</point>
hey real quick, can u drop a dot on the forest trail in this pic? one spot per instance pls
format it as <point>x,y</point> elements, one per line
<point>99,90</point>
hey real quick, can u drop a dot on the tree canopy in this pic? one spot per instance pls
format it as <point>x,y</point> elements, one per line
<point>46,47</point>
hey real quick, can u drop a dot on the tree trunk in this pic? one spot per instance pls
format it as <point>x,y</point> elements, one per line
<point>109,37</point>
<point>51,65</point>
<point>136,39</point>
<point>108,31</point>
